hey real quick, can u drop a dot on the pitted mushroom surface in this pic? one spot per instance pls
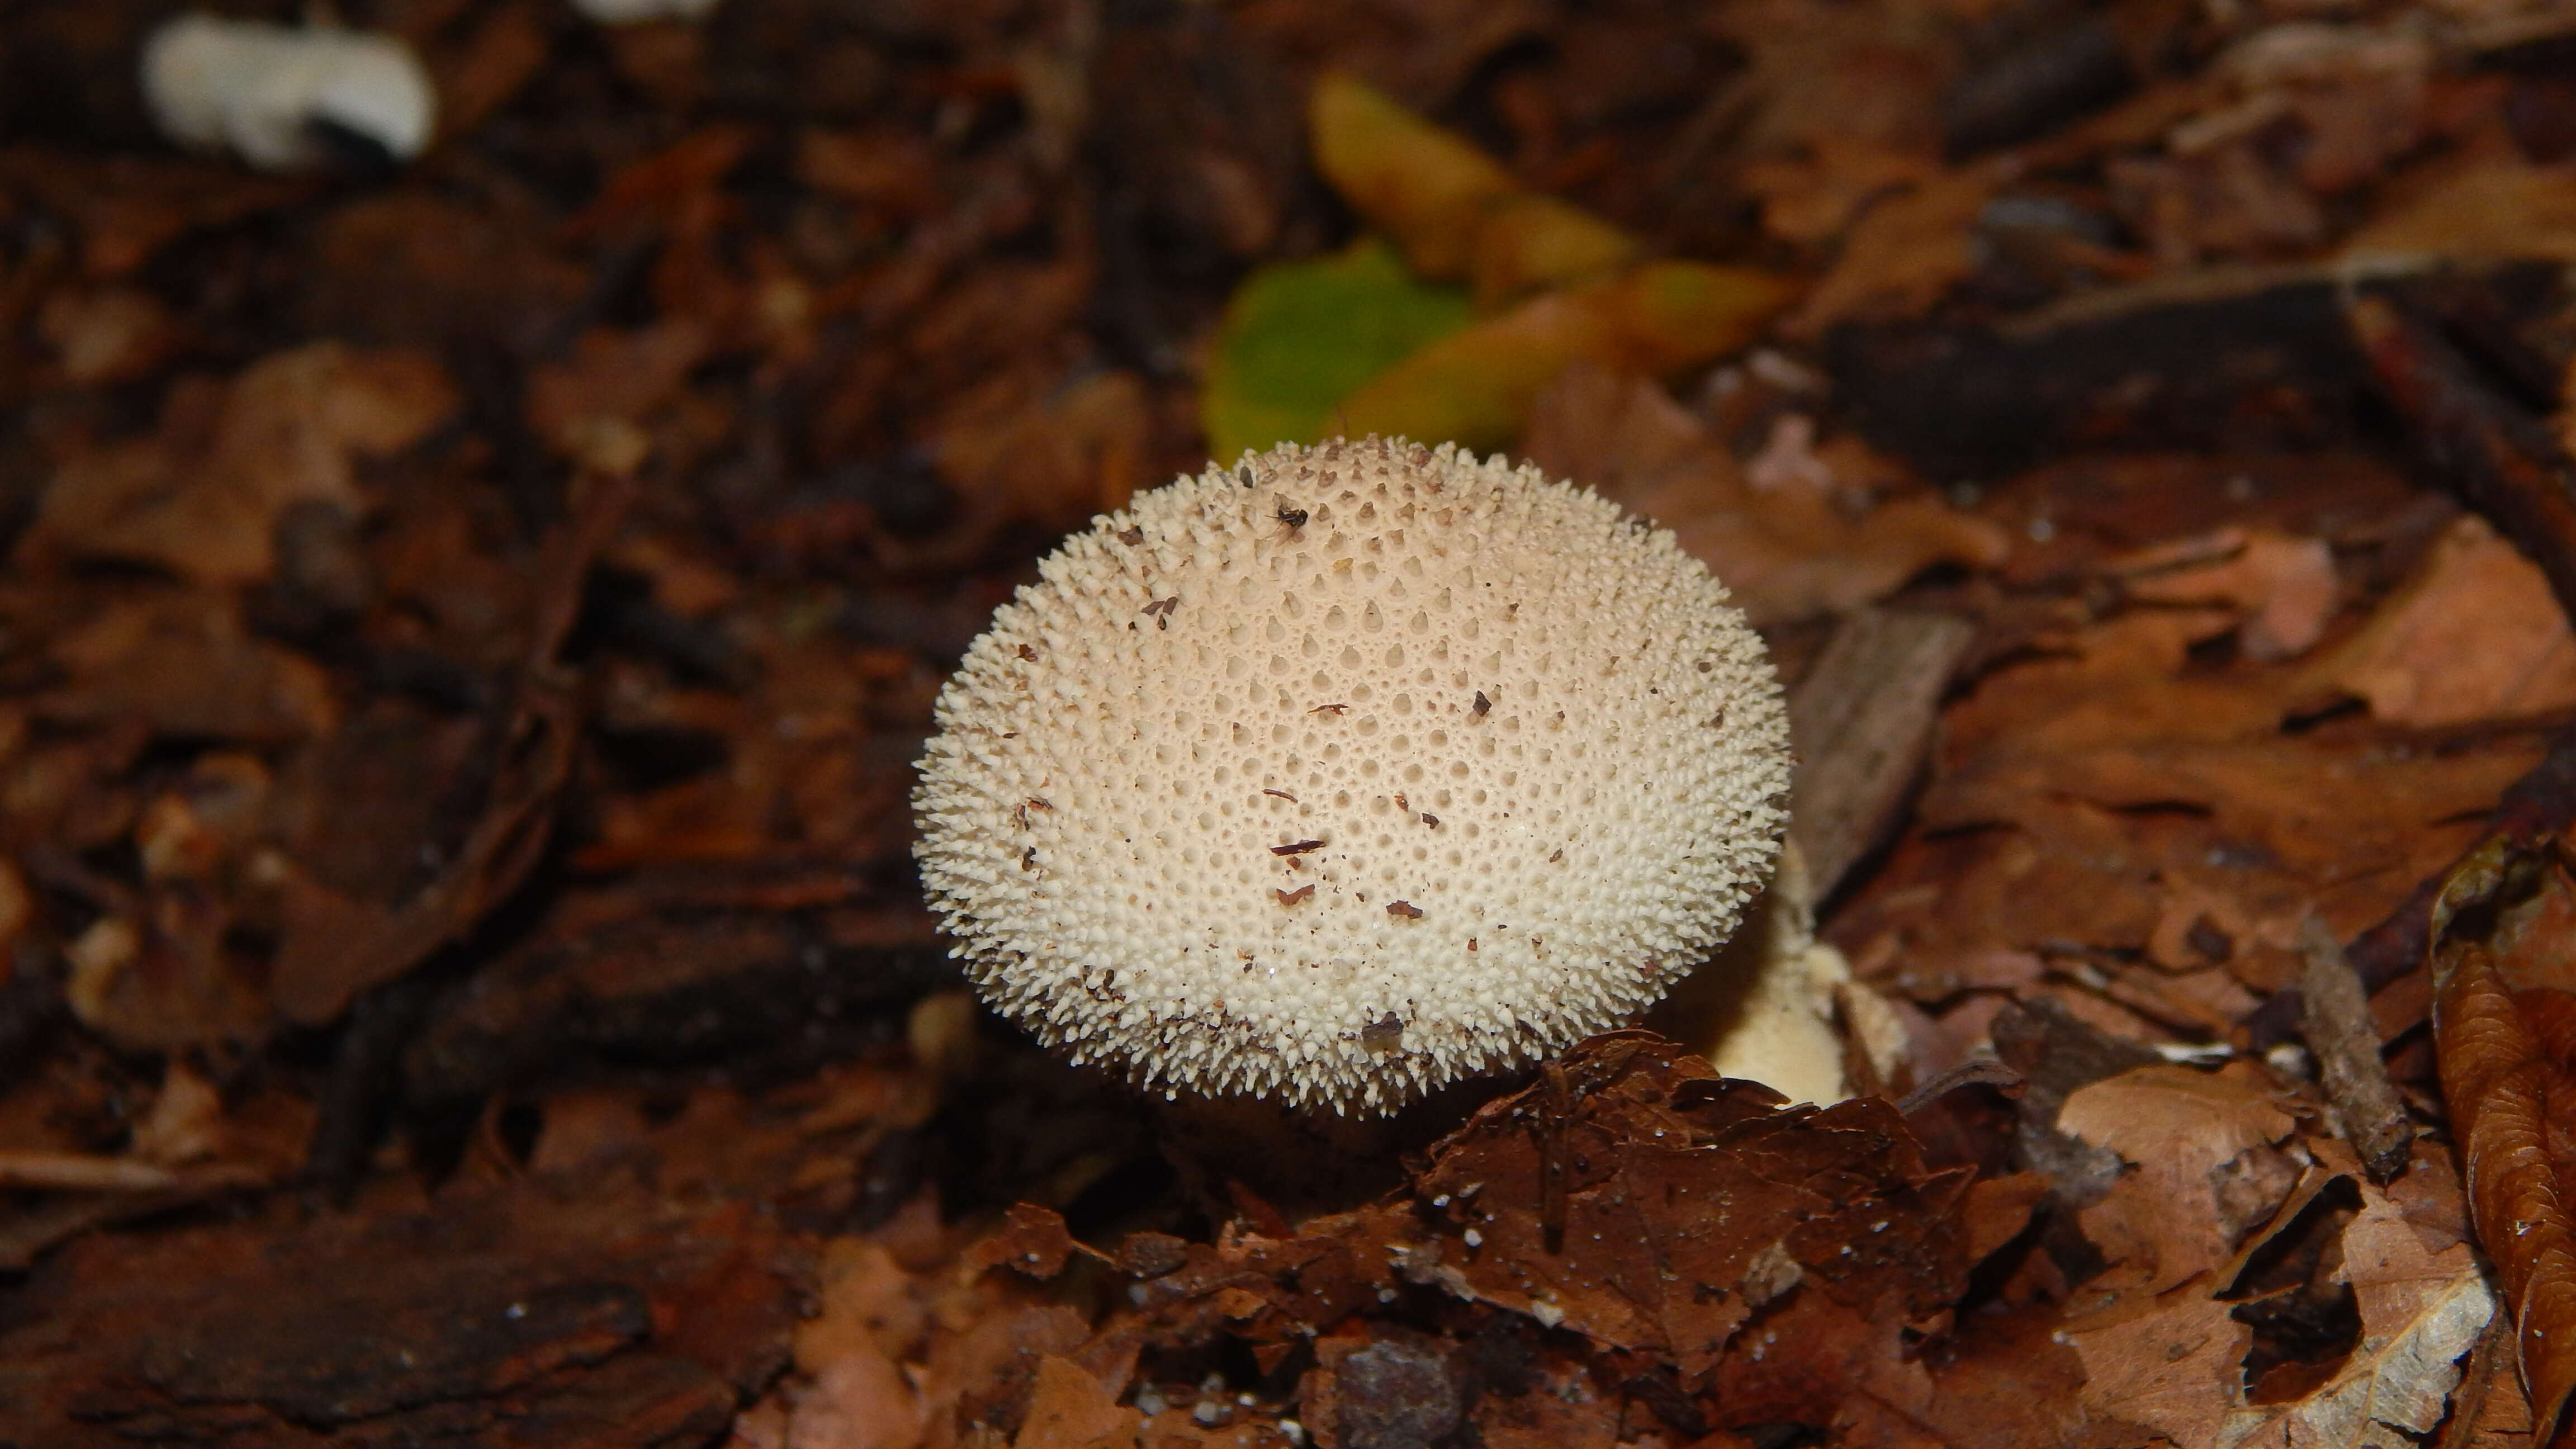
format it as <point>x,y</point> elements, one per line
<point>1345,772</point>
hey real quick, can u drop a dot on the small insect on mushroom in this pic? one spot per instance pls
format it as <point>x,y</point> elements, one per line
<point>1385,1034</point>
<point>1294,518</point>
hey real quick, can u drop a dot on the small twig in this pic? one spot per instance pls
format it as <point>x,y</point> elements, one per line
<point>2487,448</point>
<point>88,1172</point>
<point>2362,1105</point>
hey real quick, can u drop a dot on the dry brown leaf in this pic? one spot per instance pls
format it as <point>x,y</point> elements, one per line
<point>2420,1314</point>
<point>2209,1167</point>
<point>2354,92</point>
<point>1479,386</point>
<point>1451,209</point>
<point>2508,1060</point>
<point>2227,201</point>
<point>2284,586</point>
<point>1050,451</point>
<point>2169,1364</point>
<point>187,664</point>
<point>2475,634</point>
<point>1427,187</point>
<point>202,495</point>
<point>1869,74</point>
<point>895,170</point>
<point>1906,250</point>
<point>1072,1410</point>
<point>612,377</point>
<point>2498,211</point>
<point>1786,552</point>
<point>109,335</point>
<point>1813,198</point>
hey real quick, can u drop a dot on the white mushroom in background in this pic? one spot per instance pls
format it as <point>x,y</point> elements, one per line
<point>1348,772</point>
<point>637,12</point>
<point>284,98</point>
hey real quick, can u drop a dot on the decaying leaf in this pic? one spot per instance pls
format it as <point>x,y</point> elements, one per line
<point>1903,253</point>
<point>1454,212</point>
<point>2508,1056</point>
<point>201,495</point>
<point>1071,1409</point>
<point>2208,1167</point>
<point>1299,336</point>
<point>2420,1312</point>
<point>2168,1364</point>
<point>1477,385</point>
<point>1816,541</point>
<point>2285,586</point>
<point>2505,210</point>
<point>1776,1257</point>
<point>2474,634</point>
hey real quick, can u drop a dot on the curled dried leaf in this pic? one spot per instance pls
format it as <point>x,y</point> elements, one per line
<point>2508,1060</point>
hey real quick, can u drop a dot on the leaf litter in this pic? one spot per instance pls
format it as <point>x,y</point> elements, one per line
<point>469,626</point>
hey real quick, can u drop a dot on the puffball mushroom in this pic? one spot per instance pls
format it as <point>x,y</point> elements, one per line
<point>287,99</point>
<point>1347,772</point>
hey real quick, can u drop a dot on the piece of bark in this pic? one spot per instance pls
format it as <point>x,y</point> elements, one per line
<point>2361,1102</point>
<point>502,1316</point>
<point>2497,455</point>
<point>1860,722</point>
<point>2195,359</point>
<point>674,988</point>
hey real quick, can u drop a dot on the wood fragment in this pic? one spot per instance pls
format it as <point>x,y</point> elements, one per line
<point>2361,1103</point>
<point>84,1172</point>
<point>1297,848</point>
<point>1861,721</point>
<point>2496,454</point>
<point>1290,898</point>
<point>2176,359</point>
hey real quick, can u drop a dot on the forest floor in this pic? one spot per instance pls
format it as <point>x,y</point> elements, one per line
<point>468,627</point>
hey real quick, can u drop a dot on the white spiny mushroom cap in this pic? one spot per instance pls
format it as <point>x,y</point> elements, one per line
<point>1348,772</point>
